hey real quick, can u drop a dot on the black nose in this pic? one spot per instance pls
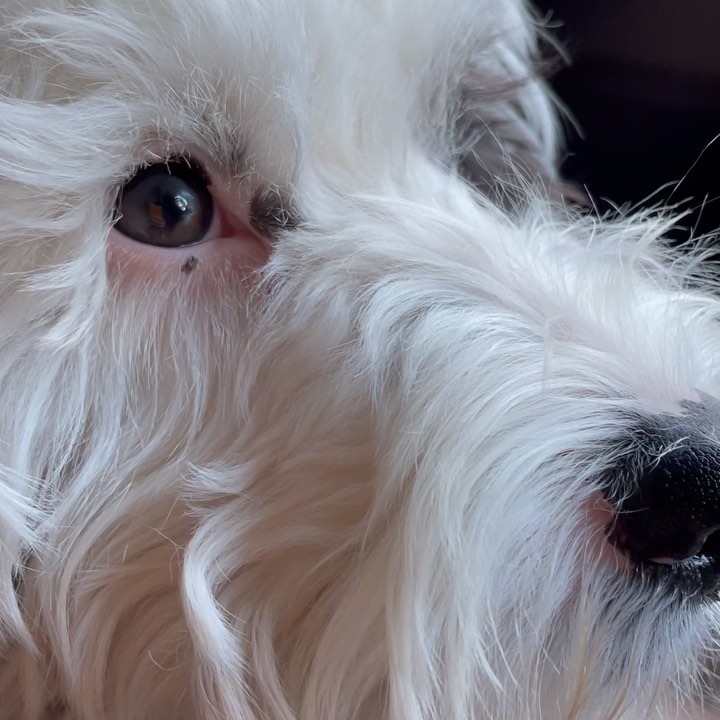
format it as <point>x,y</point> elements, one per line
<point>667,500</point>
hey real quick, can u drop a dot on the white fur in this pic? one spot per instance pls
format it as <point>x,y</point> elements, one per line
<point>352,487</point>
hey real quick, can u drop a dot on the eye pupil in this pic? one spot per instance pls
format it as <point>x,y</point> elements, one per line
<point>168,205</point>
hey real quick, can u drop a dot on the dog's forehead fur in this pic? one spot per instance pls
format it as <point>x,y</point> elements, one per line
<point>279,96</point>
<point>353,483</point>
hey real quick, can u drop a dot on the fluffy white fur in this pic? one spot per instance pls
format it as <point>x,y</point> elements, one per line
<point>354,484</point>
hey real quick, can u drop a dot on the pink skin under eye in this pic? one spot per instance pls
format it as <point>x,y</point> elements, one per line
<point>173,222</point>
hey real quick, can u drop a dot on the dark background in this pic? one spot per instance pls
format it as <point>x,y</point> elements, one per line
<point>643,84</point>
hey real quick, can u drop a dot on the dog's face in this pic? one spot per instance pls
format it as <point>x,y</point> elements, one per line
<point>314,405</point>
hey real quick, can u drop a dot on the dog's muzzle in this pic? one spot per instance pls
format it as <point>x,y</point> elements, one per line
<point>665,496</point>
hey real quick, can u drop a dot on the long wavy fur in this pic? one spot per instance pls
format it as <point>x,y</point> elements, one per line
<point>350,484</point>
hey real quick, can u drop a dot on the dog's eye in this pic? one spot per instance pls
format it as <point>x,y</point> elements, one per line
<point>167,205</point>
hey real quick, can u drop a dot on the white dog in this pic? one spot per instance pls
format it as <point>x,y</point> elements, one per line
<point>348,417</point>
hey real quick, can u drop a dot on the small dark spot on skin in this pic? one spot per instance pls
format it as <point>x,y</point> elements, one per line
<point>189,265</point>
<point>55,709</point>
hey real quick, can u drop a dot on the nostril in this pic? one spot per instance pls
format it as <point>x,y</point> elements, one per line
<point>646,535</point>
<point>685,543</point>
<point>711,546</point>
